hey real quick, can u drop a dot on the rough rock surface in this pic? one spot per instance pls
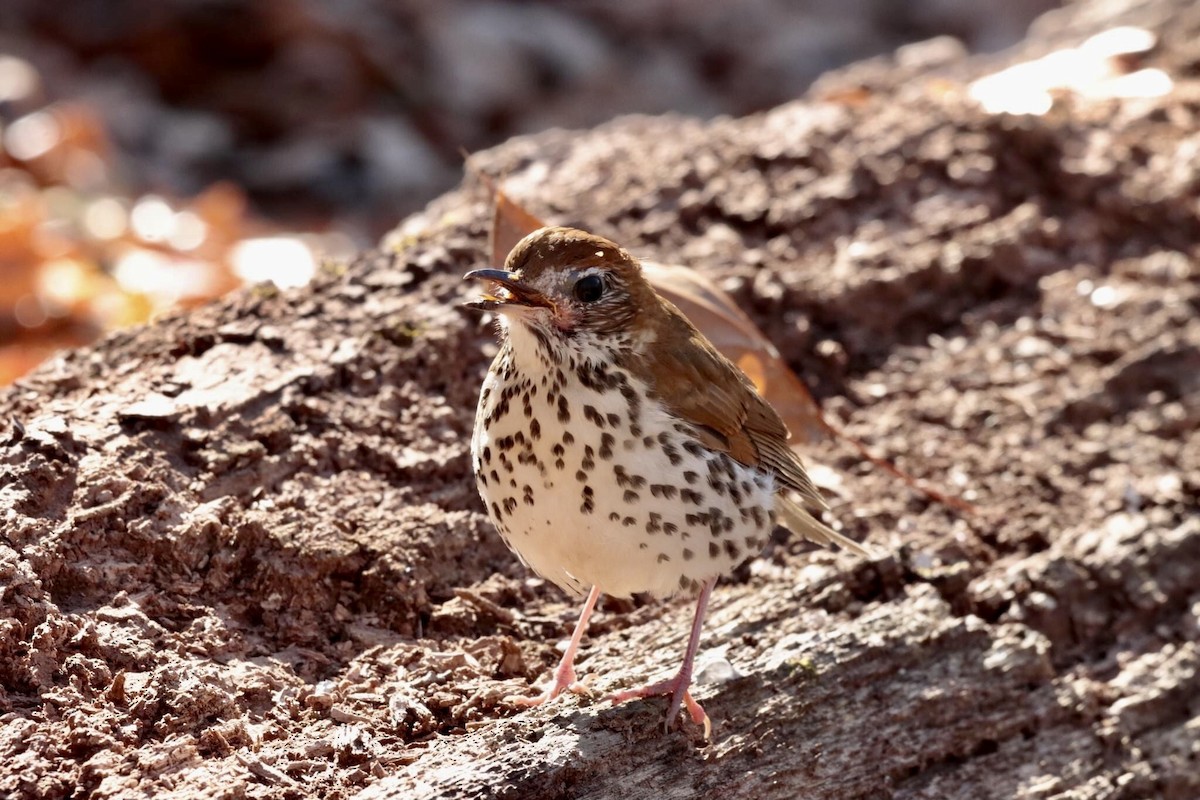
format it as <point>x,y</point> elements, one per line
<point>241,555</point>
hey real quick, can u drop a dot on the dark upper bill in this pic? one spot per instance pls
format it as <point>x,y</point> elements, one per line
<point>515,293</point>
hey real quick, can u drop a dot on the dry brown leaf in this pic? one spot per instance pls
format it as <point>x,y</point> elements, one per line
<point>510,223</point>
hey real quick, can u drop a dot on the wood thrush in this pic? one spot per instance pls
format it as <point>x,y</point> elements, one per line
<point>616,450</point>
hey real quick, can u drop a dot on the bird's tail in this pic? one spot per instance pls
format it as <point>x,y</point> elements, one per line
<point>797,520</point>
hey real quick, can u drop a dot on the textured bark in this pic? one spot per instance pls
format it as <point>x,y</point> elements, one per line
<point>242,554</point>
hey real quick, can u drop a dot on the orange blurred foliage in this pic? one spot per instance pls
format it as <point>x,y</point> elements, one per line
<point>79,256</point>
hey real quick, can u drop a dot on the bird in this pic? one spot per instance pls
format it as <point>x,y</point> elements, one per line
<point>617,451</point>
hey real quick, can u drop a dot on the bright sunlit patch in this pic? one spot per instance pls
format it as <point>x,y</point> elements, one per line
<point>152,219</point>
<point>18,79</point>
<point>1143,83</point>
<point>105,218</point>
<point>189,233</point>
<point>167,280</point>
<point>64,282</point>
<point>33,135</point>
<point>1120,41</point>
<point>1093,70</point>
<point>284,260</point>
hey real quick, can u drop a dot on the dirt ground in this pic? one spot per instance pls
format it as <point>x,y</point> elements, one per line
<point>242,556</point>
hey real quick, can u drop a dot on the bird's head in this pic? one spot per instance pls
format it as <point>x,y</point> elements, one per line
<point>567,282</point>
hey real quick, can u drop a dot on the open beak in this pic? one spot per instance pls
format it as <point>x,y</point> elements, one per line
<point>512,292</point>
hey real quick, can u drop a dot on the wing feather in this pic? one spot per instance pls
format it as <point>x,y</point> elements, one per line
<point>706,390</point>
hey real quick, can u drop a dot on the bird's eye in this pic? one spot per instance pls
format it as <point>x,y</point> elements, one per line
<point>589,288</point>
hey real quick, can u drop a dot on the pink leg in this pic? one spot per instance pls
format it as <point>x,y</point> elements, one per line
<point>564,674</point>
<point>678,686</point>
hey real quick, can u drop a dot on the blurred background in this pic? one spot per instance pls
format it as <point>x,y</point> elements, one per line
<point>158,153</point>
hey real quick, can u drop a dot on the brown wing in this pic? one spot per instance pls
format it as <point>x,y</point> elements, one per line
<point>705,389</point>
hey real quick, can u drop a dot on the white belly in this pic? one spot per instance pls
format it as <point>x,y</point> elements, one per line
<point>609,496</point>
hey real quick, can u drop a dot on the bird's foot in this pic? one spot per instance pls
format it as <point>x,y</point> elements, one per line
<point>677,687</point>
<point>564,681</point>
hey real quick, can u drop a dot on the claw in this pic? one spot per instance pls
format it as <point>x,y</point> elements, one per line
<point>558,687</point>
<point>677,687</point>
<point>698,714</point>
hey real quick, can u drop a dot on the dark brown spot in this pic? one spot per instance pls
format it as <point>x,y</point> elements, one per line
<point>535,429</point>
<point>714,549</point>
<point>621,475</point>
<point>628,522</point>
<point>631,496</point>
<point>593,416</point>
<point>580,476</point>
<point>732,549</point>
<point>690,496</point>
<point>687,554</point>
<point>672,455</point>
<point>564,413</point>
<point>568,438</point>
<point>691,477</point>
<point>670,528</point>
<point>663,557</point>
